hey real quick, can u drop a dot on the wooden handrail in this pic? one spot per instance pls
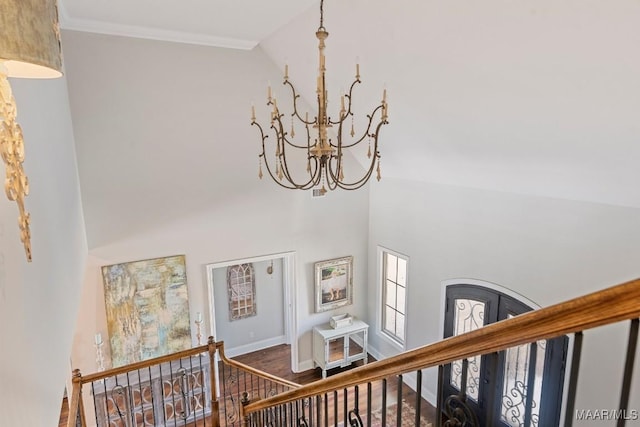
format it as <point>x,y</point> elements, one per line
<point>256,372</point>
<point>600,308</point>
<point>145,363</point>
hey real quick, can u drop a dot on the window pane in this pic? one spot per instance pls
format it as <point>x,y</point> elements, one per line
<point>402,272</point>
<point>401,299</point>
<point>400,326</point>
<point>390,294</point>
<point>391,266</point>
<point>390,320</point>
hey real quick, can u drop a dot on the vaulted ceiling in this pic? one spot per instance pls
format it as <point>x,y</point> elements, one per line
<point>538,97</point>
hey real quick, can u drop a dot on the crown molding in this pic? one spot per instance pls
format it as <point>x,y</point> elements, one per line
<point>91,26</point>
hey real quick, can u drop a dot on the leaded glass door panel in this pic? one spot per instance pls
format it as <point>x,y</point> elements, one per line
<point>498,385</point>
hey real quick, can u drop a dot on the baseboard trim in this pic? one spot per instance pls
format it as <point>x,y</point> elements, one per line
<point>255,346</point>
<point>306,365</point>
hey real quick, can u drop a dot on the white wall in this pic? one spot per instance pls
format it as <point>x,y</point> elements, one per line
<point>266,325</point>
<point>548,250</point>
<point>252,226</point>
<point>39,300</point>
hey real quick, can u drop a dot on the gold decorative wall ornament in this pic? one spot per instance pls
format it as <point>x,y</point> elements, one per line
<point>324,157</point>
<point>29,48</point>
<point>16,184</point>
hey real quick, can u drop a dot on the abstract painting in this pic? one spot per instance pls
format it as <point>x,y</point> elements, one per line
<point>147,309</point>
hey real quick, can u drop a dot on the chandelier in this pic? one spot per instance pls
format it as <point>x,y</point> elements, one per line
<point>323,156</point>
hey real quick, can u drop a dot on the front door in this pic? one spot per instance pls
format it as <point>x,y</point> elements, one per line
<point>499,389</point>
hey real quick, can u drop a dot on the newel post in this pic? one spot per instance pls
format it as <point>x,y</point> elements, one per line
<point>215,408</point>
<point>75,402</point>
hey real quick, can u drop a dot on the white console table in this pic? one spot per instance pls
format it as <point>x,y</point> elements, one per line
<point>341,346</point>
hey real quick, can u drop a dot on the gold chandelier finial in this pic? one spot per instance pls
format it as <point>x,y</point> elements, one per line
<point>324,157</point>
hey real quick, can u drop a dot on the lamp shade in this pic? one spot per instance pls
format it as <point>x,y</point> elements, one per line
<point>30,38</point>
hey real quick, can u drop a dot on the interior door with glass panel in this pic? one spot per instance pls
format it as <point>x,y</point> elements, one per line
<point>500,387</point>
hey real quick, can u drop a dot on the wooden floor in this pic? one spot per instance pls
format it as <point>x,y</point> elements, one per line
<point>277,361</point>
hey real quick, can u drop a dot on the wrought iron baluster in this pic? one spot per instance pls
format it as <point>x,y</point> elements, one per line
<point>345,408</point>
<point>326,410</point>
<point>573,379</point>
<point>354,419</point>
<point>335,408</point>
<point>319,410</point>
<point>399,402</point>
<point>384,402</point>
<point>439,401</point>
<point>418,396</point>
<point>531,380</point>
<point>95,403</point>
<point>632,344</point>
<point>368,404</point>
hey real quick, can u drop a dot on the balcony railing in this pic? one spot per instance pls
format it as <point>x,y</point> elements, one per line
<point>347,398</point>
<point>186,388</point>
<point>189,389</point>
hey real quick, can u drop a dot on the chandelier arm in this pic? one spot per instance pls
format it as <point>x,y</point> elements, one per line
<point>313,173</point>
<point>263,155</point>
<point>275,178</point>
<point>263,137</point>
<point>349,97</point>
<point>333,182</point>
<point>376,156</point>
<point>282,134</point>
<point>367,130</point>
<point>295,104</point>
<point>312,182</point>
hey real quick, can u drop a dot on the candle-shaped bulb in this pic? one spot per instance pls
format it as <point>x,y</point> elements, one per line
<point>98,338</point>
<point>286,71</point>
<point>198,317</point>
<point>342,109</point>
<point>253,113</point>
<point>384,95</point>
<point>269,91</point>
<point>357,70</point>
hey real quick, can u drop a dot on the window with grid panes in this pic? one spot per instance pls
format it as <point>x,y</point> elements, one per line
<point>394,291</point>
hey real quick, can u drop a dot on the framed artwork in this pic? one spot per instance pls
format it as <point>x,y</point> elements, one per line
<point>147,309</point>
<point>241,291</point>
<point>334,283</point>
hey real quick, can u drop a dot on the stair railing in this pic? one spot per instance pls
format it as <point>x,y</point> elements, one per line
<point>182,388</point>
<point>341,400</point>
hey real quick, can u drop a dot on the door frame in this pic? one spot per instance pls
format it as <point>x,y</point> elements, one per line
<point>519,297</point>
<point>289,293</point>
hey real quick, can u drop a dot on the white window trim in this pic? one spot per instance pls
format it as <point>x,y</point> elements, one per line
<point>391,339</point>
